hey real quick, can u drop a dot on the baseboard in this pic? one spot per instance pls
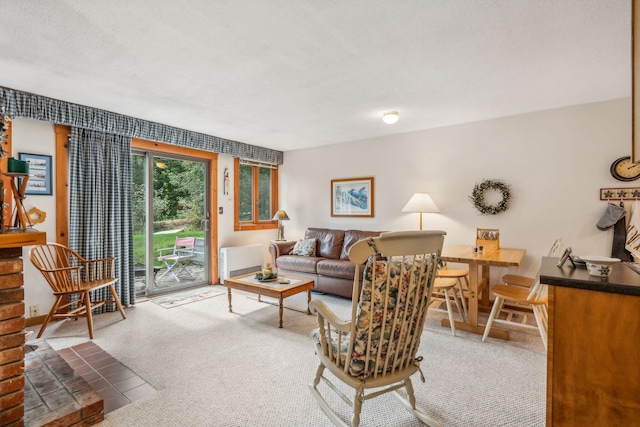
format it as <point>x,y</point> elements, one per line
<point>36,320</point>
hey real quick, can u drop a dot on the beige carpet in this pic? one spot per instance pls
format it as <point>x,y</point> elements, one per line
<point>215,368</point>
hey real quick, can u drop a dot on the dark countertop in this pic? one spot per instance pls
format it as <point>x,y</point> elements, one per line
<point>622,280</point>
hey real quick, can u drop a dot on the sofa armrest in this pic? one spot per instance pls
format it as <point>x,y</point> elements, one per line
<point>279,248</point>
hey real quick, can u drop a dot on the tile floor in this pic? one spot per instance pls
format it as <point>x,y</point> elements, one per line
<point>53,394</point>
<point>113,381</point>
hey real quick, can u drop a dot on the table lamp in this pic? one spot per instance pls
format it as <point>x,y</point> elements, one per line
<point>280,216</point>
<point>422,203</point>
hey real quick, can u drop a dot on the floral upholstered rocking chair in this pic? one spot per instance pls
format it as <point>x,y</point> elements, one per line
<point>377,348</point>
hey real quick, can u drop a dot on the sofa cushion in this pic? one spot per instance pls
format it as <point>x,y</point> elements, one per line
<point>329,241</point>
<point>305,247</point>
<point>306,264</point>
<point>336,268</point>
<point>353,236</point>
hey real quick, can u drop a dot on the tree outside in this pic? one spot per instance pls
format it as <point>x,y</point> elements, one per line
<point>248,197</point>
<point>178,201</point>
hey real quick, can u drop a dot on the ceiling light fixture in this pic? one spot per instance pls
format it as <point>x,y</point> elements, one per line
<point>390,117</point>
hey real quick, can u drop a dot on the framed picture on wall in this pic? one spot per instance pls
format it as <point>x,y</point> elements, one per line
<point>40,179</point>
<point>352,197</point>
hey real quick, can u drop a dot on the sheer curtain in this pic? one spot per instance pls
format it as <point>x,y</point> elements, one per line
<point>100,198</point>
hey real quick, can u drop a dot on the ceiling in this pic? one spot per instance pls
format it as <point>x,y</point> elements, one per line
<point>291,74</point>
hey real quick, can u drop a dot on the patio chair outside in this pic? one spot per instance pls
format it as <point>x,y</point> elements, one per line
<point>182,254</point>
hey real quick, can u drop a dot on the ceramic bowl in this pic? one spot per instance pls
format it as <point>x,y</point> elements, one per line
<point>599,266</point>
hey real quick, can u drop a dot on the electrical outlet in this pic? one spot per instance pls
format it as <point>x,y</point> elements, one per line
<point>34,310</point>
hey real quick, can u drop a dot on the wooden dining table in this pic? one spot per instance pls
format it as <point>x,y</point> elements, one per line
<point>479,280</point>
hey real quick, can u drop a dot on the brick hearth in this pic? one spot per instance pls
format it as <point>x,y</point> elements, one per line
<point>53,395</point>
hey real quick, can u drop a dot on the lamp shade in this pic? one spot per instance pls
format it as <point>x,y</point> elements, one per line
<point>280,216</point>
<point>420,202</point>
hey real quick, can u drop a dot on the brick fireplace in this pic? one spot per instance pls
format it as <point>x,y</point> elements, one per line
<point>12,337</point>
<point>47,393</point>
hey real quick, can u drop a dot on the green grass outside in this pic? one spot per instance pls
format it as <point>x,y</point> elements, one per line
<point>159,241</point>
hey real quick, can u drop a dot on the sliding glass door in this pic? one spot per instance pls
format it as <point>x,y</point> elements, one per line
<point>171,222</point>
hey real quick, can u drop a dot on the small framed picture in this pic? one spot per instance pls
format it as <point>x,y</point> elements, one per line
<point>564,257</point>
<point>352,197</point>
<point>40,178</point>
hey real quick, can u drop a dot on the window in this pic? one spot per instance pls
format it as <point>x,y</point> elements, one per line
<point>255,195</point>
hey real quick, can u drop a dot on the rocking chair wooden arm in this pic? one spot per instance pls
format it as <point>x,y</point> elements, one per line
<point>326,314</point>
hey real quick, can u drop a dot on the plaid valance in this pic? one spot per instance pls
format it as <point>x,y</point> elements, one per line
<point>16,103</point>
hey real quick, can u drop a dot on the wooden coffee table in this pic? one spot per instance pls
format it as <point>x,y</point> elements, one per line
<point>248,283</point>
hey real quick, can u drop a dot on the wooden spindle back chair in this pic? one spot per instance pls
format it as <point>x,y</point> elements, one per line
<point>70,274</point>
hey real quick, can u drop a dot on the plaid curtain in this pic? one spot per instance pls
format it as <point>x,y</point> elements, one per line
<point>100,212</point>
<point>16,103</point>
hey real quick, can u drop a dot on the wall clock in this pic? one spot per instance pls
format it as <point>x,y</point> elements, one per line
<point>623,170</point>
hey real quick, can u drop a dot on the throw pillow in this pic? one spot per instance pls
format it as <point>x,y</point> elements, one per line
<point>304,248</point>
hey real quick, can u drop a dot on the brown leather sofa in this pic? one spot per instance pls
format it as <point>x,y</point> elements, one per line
<point>330,269</point>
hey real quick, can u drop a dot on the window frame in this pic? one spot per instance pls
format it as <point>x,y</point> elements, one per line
<point>255,223</point>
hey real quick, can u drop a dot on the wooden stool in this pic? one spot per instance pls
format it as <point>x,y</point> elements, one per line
<point>441,289</point>
<point>517,280</point>
<point>459,275</point>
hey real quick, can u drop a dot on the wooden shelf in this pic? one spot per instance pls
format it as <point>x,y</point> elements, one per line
<point>19,238</point>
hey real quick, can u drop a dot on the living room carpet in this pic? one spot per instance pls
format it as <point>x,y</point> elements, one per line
<point>213,367</point>
<point>181,298</point>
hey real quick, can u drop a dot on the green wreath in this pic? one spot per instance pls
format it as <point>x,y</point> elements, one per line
<point>477,197</point>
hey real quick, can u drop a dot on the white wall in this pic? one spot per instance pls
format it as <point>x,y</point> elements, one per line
<point>35,137</point>
<point>555,161</point>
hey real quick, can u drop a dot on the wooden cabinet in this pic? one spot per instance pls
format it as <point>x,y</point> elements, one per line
<point>593,360</point>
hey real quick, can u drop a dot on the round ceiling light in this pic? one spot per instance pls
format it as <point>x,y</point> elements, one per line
<point>390,117</point>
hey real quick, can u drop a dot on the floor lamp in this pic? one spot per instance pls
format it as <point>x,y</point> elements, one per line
<point>422,203</point>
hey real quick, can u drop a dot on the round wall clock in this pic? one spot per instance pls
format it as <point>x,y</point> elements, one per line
<point>623,170</point>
